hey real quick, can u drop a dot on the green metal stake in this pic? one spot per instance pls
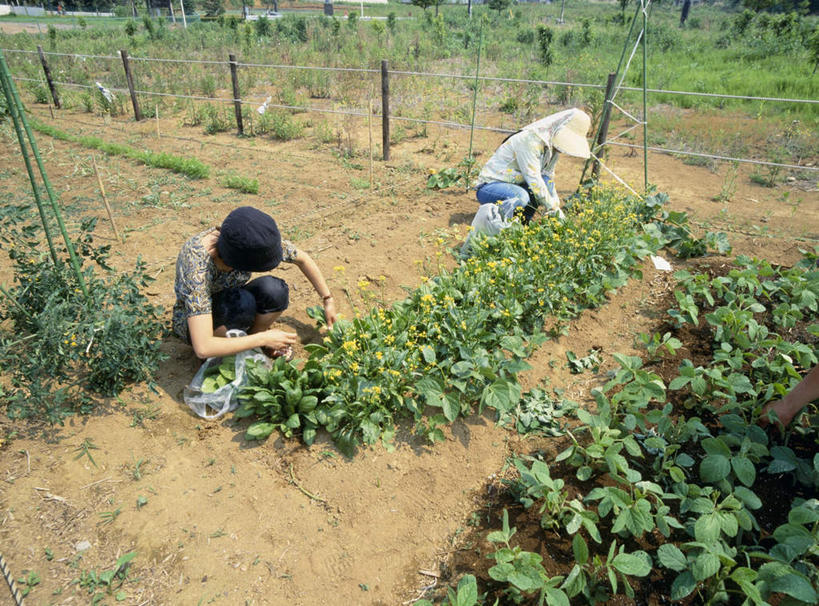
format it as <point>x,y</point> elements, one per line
<point>474,105</point>
<point>645,96</point>
<point>51,196</point>
<point>617,74</point>
<point>24,152</point>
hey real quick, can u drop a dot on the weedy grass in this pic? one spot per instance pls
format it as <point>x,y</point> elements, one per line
<point>246,185</point>
<point>190,167</point>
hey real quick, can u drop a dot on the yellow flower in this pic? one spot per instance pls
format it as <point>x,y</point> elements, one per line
<point>339,268</point>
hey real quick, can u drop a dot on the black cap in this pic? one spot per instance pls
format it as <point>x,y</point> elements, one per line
<point>249,240</point>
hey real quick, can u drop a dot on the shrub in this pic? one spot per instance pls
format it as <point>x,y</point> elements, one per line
<point>64,350</point>
<point>263,27</point>
<point>545,35</point>
<point>284,127</point>
<point>130,28</point>
<point>215,120</point>
<point>526,36</point>
<point>246,185</point>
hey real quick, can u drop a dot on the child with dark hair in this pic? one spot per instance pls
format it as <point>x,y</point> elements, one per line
<point>214,292</point>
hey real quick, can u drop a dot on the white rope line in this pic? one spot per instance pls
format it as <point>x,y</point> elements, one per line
<point>205,62</point>
<point>310,109</point>
<point>619,180</point>
<point>494,79</point>
<point>635,119</point>
<point>194,97</point>
<point>715,157</point>
<point>718,95</point>
<point>440,75</point>
<point>452,124</point>
<point>313,67</point>
<point>628,130</point>
<point>30,52</point>
<point>628,64</point>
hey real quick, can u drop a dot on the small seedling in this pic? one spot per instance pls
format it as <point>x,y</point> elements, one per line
<point>28,582</point>
<point>589,362</point>
<point>141,502</point>
<point>140,416</point>
<point>85,449</point>
<point>108,517</point>
<point>49,555</point>
<point>136,472</point>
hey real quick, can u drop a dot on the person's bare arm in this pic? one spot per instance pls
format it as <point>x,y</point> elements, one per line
<point>806,391</point>
<point>312,272</point>
<point>208,345</point>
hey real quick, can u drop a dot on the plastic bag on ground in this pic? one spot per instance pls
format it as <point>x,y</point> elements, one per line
<point>214,404</point>
<point>488,220</point>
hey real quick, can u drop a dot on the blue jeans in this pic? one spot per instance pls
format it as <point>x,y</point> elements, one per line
<point>511,196</point>
<point>238,307</point>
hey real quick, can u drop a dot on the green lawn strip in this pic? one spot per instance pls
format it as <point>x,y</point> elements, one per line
<point>190,167</point>
<point>457,343</point>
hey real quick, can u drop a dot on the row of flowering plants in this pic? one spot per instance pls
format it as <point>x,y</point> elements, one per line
<point>456,344</point>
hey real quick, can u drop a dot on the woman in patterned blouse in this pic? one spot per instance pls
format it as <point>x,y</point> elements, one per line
<point>214,292</point>
<point>520,174</point>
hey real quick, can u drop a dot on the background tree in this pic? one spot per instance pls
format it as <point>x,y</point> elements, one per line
<point>213,8</point>
<point>424,4</point>
<point>499,5</point>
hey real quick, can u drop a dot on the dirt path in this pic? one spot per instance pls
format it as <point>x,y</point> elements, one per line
<point>214,519</point>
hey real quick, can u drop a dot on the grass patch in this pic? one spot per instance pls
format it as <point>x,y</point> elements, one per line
<point>190,167</point>
<point>246,185</point>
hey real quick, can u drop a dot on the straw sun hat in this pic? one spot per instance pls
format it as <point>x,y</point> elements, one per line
<point>565,131</point>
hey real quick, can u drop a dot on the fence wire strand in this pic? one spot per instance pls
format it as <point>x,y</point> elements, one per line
<point>713,156</point>
<point>432,75</point>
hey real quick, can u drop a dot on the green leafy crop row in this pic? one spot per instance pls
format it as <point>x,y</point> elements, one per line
<point>686,486</point>
<point>456,344</point>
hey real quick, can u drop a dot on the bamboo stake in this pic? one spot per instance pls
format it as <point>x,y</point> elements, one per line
<point>468,174</point>
<point>52,197</point>
<point>105,200</point>
<point>156,113</point>
<point>6,84</point>
<point>370,129</point>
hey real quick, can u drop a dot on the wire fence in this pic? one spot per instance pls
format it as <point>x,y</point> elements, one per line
<point>240,100</point>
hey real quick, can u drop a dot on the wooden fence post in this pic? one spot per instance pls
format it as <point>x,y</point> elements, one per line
<point>130,79</point>
<point>48,77</point>
<point>237,99</point>
<point>385,109</point>
<point>604,125</point>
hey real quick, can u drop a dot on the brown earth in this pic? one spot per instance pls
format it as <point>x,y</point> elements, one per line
<point>231,522</point>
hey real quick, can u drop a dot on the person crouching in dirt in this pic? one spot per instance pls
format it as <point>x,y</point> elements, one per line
<point>520,174</point>
<point>214,292</point>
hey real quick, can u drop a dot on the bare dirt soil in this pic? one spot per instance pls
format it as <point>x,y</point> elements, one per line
<point>215,519</point>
